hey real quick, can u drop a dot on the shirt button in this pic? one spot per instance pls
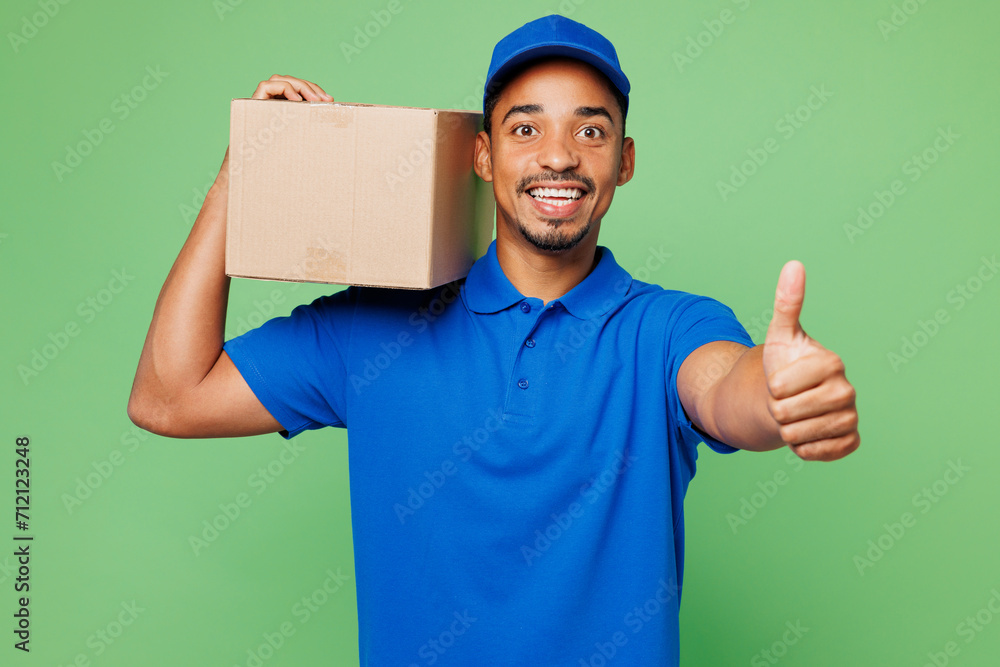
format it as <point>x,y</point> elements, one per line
<point>522,383</point>
<point>530,342</point>
<point>525,307</point>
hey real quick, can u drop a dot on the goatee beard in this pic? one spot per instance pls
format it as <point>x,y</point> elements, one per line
<point>552,240</point>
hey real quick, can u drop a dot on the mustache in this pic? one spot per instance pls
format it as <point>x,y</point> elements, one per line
<point>565,177</point>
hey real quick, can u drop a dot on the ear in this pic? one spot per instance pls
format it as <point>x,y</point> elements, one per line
<point>483,160</point>
<point>627,166</point>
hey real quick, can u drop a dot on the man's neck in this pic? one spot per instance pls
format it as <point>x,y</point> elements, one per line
<point>545,275</point>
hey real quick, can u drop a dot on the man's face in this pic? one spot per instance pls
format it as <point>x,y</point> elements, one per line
<point>556,125</point>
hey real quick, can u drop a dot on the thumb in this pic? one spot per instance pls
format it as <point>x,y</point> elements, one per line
<point>788,299</point>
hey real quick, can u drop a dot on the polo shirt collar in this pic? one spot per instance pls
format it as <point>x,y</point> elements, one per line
<point>488,290</point>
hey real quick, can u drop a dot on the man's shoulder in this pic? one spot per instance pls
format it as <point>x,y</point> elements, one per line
<point>643,296</point>
<point>369,297</point>
<point>672,312</point>
<point>385,298</point>
<point>369,308</point>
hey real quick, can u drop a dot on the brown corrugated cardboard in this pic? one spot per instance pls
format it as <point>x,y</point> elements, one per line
<point>354,194</point>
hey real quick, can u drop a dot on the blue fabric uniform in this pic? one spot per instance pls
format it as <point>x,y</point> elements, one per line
<point>517,471</point>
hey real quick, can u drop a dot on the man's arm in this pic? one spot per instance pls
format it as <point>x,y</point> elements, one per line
<point>185,385</point>
<point>790,390</point>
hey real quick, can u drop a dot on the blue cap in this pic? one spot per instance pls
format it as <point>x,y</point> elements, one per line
<point>556,35</point>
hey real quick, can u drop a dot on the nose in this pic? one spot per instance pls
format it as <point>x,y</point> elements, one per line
<point>557,152</point>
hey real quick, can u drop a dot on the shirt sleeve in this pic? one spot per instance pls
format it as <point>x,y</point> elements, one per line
<point>297,365</point>
<point>697,320</point>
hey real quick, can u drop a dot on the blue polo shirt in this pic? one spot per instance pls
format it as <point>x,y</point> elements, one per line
<point>517,471</point>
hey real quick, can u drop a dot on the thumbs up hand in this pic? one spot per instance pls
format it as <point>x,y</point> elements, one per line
<point>810,397</point>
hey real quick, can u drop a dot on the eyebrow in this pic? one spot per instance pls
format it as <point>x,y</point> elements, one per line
<point>581,112</point>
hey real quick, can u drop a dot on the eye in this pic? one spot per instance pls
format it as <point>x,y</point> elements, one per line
<point>594,132</point>
<point>518,130</point>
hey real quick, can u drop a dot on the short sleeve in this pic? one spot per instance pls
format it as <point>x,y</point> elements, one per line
<point>296,365</point>
<point>698,320</point>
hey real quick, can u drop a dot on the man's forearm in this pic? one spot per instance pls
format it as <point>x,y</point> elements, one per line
<point>790,390</point>
<point>187,329</point>
<point>739,406</point>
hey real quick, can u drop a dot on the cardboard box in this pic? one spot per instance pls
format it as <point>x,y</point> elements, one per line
<point>354,194</point>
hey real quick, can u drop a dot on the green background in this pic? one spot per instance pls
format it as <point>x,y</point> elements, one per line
<point>129,205</point>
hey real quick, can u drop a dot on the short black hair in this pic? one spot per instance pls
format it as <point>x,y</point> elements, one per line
<point>497,86</point>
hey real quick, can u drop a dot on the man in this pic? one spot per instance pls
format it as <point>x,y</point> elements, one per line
<point>520,440</point>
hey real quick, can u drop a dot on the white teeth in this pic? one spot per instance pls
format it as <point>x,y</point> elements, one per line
<point>570,193</point>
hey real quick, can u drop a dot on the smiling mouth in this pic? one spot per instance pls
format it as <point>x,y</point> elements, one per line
<point>556,196</point>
